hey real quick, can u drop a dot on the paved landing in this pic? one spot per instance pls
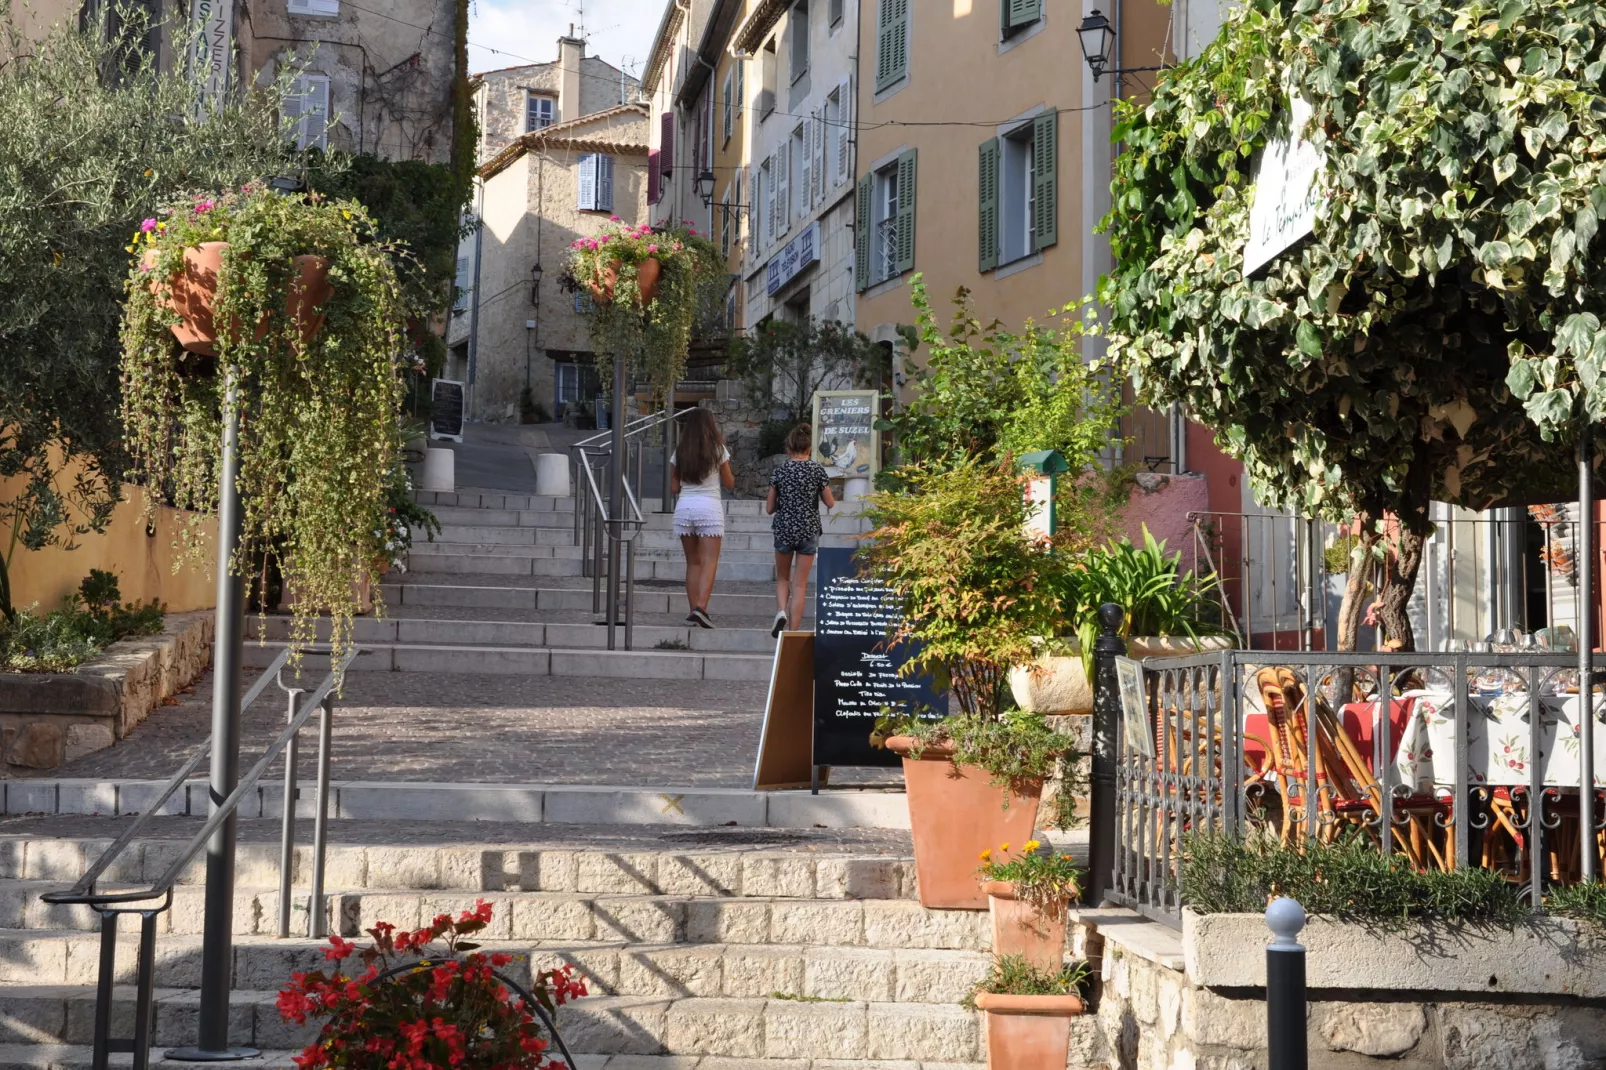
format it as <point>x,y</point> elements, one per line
<point>490,729</point>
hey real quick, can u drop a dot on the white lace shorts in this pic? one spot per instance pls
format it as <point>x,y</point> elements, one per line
<point>700,515</point>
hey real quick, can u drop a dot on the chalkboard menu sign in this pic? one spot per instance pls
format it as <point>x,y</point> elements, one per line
<point>446,409</point>
<point>855,671</point>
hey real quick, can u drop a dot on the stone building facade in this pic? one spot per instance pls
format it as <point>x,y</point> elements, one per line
<point>515,101</point>
<point>509,333</point>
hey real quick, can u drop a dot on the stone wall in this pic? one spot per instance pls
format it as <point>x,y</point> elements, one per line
<point>740,421</point>
<point>1154,1014</point>
<point>50,718</point>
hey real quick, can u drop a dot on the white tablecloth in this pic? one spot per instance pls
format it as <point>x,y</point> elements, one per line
<point>1499,743</point>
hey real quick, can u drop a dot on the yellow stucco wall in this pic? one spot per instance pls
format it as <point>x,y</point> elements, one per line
<point>143,563</point>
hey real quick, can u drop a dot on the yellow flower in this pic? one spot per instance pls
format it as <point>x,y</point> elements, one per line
<point>1065,858</point>
<point>1004,847</point>
<point>985,855</point>
<point>1030,845</point>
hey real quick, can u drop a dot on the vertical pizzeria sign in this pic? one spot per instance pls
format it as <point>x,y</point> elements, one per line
<point>213,21</point>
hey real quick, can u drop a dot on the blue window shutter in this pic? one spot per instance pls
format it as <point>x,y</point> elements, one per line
<point>604,183</point>
<point>588,183</point>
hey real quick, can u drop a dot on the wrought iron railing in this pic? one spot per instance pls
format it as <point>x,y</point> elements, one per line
<point>1451,760</point>
<point>149,902</point>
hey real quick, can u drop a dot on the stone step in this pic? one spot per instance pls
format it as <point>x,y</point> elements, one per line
<point>469,498</point>
<point>759,1028</point>
<point>469,870</point>
<point>759,540</point>
<point>510,804</point>
<point>405,591</point>
<point>548,917</point>
<point>672,971</point>
<point>836,521</point>
<point>460,560</point>
<point>637,664</point>
<point>79,1057</point>
<point>754,639</point>
<point>669,550</point>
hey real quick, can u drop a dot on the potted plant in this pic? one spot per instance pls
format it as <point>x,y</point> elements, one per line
<point>1028,893</point>
<point>646,285</point>
<point>1170,612</point>
<point>1028,1013</point>
<point>974,587</point>
<point>427,998</point>
<point>317,385</point>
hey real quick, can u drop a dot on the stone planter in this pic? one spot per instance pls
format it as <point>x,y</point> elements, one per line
<point>50,718</point>
<point>1057,684</point>
<point>1019,928</point>
<point>194,290</point>
<point>1028,1032</point>
<point>955,813</point>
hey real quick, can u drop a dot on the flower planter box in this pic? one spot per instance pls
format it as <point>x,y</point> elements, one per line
<point>647,275</point>
<point>1028,1032</point>
<point>1019,928</point>
<point>1057,684</point>
<point>955,813</point>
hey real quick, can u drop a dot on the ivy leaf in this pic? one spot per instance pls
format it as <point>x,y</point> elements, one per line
<point>1505,166</point>
<point>1550,409</point>
<point>1494,254</point>
<point>1519,218</point>
<point>1510,12</point>
<point>1309,339</point>
<point>1577,334</point>
<point>1520,380</point>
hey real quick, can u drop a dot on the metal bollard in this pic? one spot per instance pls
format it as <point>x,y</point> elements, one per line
<point>1285,987</point>
<point>1106,723</point>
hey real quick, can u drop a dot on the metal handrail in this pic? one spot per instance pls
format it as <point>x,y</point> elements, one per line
<point>622,530</point>
<point>111,905</point>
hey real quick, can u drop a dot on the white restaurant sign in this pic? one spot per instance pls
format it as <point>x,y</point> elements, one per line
<point>1286,196</point>
<point>214,46</point>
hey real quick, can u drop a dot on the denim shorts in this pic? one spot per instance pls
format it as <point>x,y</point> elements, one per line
<point>808,547</point>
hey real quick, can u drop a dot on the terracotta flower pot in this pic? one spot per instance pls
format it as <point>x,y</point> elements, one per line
<point>1019,928</point>
<point>194,291</point>
<point>955,814</point>
<point>647,275</point>
<point>1028,1032</point>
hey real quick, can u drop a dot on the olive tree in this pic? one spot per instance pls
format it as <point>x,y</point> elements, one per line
<point>1437,336</point>
<point>93,139</point>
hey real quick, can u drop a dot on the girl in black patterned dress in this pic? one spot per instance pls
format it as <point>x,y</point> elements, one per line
<point>797,486</point>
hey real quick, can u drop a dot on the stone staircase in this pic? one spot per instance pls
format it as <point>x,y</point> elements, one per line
<point>501,590</point>
<point>711,955</point>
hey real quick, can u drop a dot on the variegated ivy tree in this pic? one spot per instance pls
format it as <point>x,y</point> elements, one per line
<point>1438,336</point>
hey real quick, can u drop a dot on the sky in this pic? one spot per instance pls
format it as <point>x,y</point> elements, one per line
<point>511,33</point>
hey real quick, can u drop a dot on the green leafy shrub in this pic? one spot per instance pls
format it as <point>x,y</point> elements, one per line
<point>1014,975</point>
<point>1349,880</point>
<point>1585,901</point>
<point>1045,880</point>
<point>1160,598</point>
<point>783,364</point>
<point>772,437</point>
<point>86,624</point>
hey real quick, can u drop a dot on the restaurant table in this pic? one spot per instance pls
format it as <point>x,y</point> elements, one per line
<point>1499,743</point>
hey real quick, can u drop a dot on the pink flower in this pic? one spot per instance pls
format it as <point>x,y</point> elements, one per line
<point>614,219</point>
<point>147,226</point>
<point>652,248</point>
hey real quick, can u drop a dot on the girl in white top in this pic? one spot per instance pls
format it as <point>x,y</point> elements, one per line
<point>698,469</point>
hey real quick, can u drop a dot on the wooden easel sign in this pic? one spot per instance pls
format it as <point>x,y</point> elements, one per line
<point>786,743</point>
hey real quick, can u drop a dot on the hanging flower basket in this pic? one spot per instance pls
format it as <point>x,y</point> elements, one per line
<point>192,294</point>
<point>647,273</point>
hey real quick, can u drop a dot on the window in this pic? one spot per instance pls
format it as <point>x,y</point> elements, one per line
<point>306,111</point>
<point>741,86</point>
<point>798,28</point>
<point>783,188</point>
<point>540,112</point>
<point>730,309</point>
<point>884,226</point>
<point>583,304</point>
<point>892,44</point>
<point>765,203</point>
<point>596,182</point>
<point>728,124</point>
<point>1019,193</point>
<point>727,220</point>
<point>766,91</point>
<point>836,13</point>
<point>655,185</point>
<point>460,285</point>
<point>314,7</point>
<point>1017,15</point>
<point>666,144</point>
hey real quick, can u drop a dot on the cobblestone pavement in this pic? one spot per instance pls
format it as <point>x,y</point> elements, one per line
<point>886,842</point>
<point>490,729</point>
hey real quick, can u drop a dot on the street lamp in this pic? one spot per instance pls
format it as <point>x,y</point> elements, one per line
<point>1098,47</point>
<point>705,187</point>
<point>535,284</point>
<point>1098,42</point>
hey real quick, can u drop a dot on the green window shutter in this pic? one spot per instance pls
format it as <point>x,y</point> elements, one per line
<point>861,235</point>
<point>987,214</point>
<point>1045,178</point>
<point>906,212</point>
<point>892,43</point>
<point>1018,13</point>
